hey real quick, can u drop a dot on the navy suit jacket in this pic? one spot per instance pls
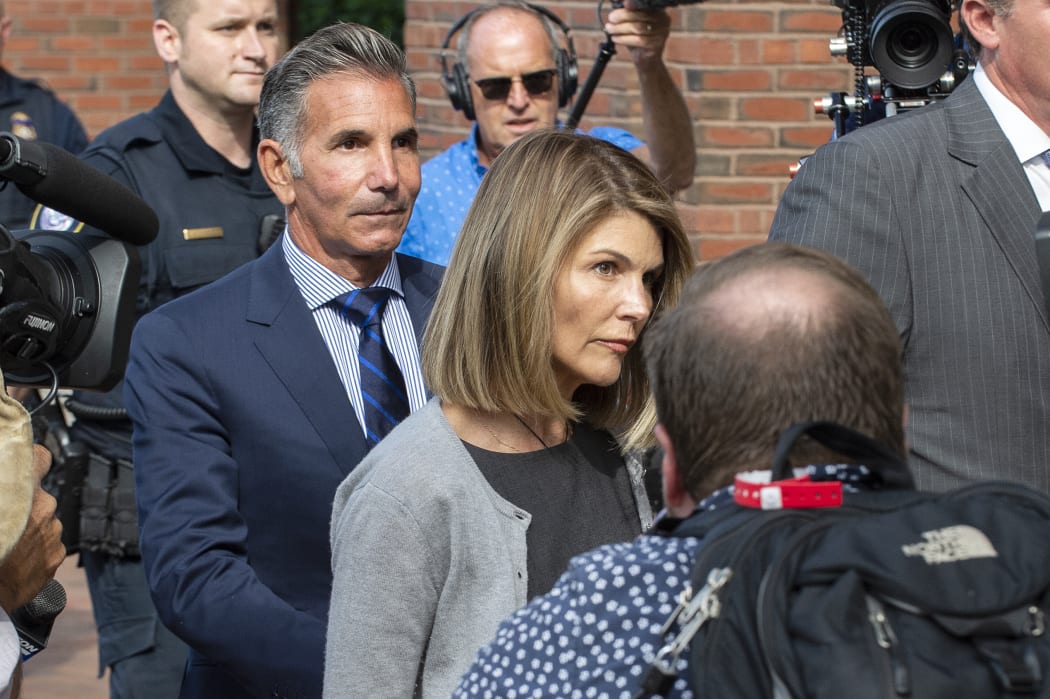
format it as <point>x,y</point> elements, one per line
<point>935,209</point>
<point>242,432</point>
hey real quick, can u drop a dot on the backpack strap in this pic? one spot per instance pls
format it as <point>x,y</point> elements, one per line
<point>889,465</point>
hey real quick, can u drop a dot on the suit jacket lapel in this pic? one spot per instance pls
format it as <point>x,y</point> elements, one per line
<point>998,187</point>
<point>420,287</point>
<point>291,344</point>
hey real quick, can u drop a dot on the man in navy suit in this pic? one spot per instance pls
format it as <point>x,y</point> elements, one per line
<point>938,208</point>
<point>246,395</point>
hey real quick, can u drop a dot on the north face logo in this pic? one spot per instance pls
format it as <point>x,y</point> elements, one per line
<point>958,543</point>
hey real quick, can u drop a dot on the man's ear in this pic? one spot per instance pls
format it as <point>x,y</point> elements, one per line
<point>274,167</point>
<point>979,17</point>
<point>5,28</point>
<point>166,40</point>
<point>676,497</point>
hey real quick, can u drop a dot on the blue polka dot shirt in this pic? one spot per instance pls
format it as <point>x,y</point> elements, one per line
<point>595,633</point>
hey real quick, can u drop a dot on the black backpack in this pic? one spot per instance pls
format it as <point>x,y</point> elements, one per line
<point>896,593</point>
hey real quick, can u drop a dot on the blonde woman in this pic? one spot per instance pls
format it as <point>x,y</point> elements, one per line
<point>475,504</point>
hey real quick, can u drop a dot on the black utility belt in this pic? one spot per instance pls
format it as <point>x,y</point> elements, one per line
<point>108,516</point>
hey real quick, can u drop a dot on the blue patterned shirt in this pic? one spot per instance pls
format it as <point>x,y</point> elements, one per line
<point>450,180</point>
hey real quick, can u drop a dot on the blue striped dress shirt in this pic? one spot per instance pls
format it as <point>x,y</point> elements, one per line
<point>319,285</point>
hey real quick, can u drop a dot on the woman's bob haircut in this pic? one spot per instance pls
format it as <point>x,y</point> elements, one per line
<point>488,343</point>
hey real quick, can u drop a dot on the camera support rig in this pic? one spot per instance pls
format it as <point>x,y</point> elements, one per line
<point>911,45</point>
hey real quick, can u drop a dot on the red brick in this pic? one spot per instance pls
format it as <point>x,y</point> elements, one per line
<point>736,136</point>
<point>145,62</point>
<point>779,51</point>
<point>712,248</point>
<point>818,51</point>
<point>737,80</point>
<point>69,81</point>
<point>819,80</point>
<point>45,24</point>
<point>737,21</point>
<point>21,46</point>
<point>36,64</point>
<point>710,219</point>
<point>100,101</point>
<point>96,64</point>
<point>761,165</point>
<point>701,50</point>
<point>724,191</point>
<point>140,103</point>
<point>807,136</point>
<point>127,83</point>
<point>823,21</point>
<point>774,109</point>
<point>128,44</point>
<point>73,43</point>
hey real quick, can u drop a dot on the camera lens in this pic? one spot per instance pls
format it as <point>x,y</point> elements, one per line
<point>911,43</point>
<point>912,46</point>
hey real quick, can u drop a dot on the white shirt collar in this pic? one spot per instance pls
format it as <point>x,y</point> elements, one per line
<point>1027,139</point>
<point>319,285</point>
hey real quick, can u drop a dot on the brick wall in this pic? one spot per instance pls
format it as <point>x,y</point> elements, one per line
<point>96,54</point>
<point>749,71</point>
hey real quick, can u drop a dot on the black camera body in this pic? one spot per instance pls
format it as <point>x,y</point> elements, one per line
<point>67,306</point>
<point>910,42</point>
<point>67,300</point>
<point>912,46</point>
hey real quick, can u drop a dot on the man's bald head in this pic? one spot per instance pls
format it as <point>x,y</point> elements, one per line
<point>772,335</point>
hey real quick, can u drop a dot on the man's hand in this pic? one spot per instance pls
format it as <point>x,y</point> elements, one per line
<point>644,32</point>
<point>38,553</point>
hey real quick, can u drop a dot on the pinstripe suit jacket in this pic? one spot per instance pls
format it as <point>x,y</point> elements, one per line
<point>935,209</point>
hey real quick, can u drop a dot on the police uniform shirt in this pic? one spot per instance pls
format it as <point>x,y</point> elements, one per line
<point>32,112</point>
<point>211,216</point>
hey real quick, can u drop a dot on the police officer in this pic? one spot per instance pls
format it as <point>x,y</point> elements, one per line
<point>192,158</point>
<point>30,111</point>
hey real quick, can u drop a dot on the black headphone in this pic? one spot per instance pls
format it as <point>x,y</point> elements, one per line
<point>457,80</point>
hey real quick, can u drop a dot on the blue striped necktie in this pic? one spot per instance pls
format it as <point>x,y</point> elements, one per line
<point>382,385</point>
<point>1046,157</point>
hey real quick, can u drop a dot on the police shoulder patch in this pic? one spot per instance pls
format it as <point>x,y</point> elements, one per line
<point>47,219</point>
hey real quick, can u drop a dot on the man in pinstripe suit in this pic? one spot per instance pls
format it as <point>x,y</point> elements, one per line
<point>938,208</point>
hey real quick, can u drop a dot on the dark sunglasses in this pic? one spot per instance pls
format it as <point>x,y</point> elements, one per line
<point>537,83</point>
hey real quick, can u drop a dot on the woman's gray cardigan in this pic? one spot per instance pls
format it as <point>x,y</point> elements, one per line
<point>428,559</point>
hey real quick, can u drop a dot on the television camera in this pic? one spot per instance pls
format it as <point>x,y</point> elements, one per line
<point>67,302</point>
<point>911,45</point>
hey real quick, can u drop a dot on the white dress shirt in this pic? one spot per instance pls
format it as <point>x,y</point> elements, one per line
<point>319,286</point>
<point>1027,139</point>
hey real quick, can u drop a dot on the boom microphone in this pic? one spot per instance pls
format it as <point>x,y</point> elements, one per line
<point>34,621</point>
<point>61,181</point>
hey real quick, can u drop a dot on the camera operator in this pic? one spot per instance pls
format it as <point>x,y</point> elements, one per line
<point>938,208</point>
<point>516,44</point>
<point>30,536</point>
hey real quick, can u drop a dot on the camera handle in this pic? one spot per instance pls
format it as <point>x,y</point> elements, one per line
<point>606,50</point>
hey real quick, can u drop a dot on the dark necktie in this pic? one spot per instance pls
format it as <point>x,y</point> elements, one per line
<point>382,385</point>
<point>1046,157</point>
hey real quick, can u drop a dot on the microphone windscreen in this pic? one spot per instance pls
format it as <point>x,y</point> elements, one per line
<point>34,620</point>
<point>79,190</point>
<point>48,603</point>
